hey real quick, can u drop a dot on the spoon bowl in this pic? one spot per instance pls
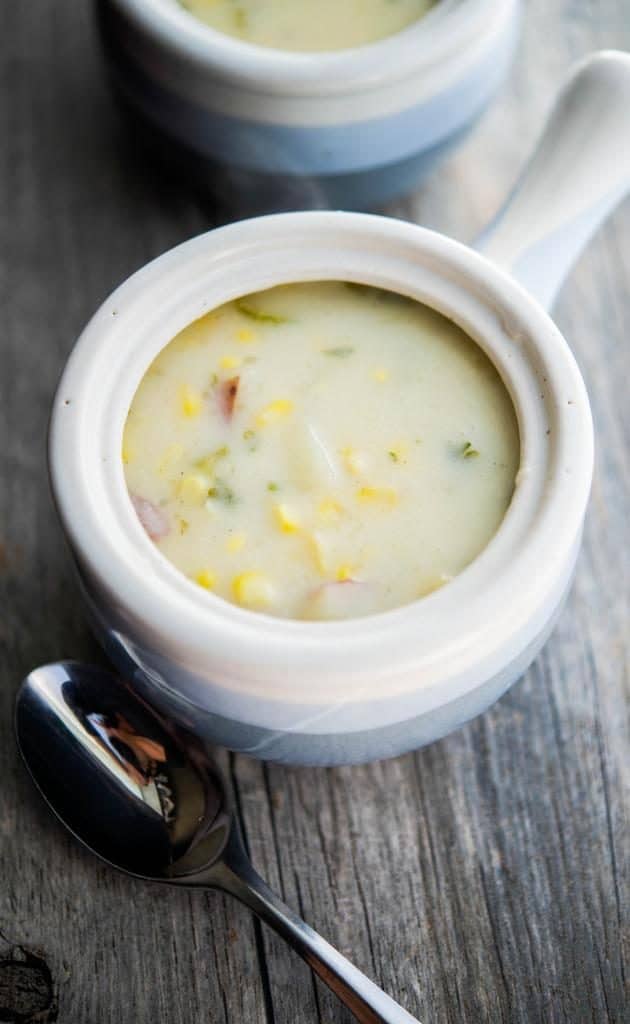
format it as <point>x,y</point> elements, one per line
<point>115,761</point>
<point>146,797</point>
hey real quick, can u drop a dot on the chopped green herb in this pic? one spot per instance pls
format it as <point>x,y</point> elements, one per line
<point>214,380</point>
<point>259,315</point>
<point>468,451</point>
<point>221,492</point>
<point>251,439</point>
<point>272,486</point>
<point>183,526</point>
<point>341,351</point>
<point>394,456</point>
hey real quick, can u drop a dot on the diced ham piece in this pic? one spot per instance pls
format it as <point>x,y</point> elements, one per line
<point>151,517</point>
<point>227,392</point>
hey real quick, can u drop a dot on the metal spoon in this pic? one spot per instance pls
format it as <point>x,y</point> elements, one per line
<point>146,798</point>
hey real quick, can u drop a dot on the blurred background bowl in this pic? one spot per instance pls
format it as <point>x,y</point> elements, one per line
<point>264,130</point>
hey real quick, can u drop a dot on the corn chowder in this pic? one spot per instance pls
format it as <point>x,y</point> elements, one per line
<point>321,451</point>
<point>309,24</point>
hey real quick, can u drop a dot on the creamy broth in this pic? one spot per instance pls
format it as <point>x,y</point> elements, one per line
<point>321,451</point>
<point>309,24</point>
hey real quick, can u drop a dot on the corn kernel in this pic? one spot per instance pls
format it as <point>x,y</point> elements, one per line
<point>380,495</point>
<point>344,572</point>
<point>230,362</point>
<point>286,519</point>
<point>193,488</point>
<point>207,464</point>
<point>190,401</point>
<point>318,552</point>
<point>274,411</point>
<point>253,590</point>
<point>380,375</point>
<point>236,542</point>
<point>245,335</point>
<point>329,510</point>
<point>171,455</point>
<point>355,462</point>
<point>206,579</point>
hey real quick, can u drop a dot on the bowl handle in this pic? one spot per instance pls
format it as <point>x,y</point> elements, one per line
<point>578,173</point>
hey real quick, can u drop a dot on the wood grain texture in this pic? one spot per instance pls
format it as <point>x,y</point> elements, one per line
<point>484,879</point>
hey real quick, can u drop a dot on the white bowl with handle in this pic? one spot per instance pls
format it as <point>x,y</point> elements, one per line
<point>334,692</point>
<point>270,129</point>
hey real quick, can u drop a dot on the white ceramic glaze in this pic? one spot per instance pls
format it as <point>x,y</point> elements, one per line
<point>577,175</point>
<point>336,691</point>
<point>346,128</point>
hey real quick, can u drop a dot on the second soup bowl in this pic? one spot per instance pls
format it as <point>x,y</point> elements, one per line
<point>268,129</point>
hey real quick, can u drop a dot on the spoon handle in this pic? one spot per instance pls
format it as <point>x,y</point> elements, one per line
<point>578,173</point>
<point>368,1003</point>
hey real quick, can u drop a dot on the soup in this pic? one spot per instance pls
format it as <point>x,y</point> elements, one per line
<point>321,451</point>
<point>309,24</point>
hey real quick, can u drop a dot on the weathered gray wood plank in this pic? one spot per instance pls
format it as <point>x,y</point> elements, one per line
<point>484,879</point>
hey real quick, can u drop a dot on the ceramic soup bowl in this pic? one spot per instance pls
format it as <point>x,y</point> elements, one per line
<point>335,692</point>
<point>274,130</point>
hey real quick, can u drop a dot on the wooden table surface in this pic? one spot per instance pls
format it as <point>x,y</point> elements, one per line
<point>482,879</point>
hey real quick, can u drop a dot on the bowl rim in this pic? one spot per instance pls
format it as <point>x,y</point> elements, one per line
<point>438,41</point>
<point>434,639</point>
